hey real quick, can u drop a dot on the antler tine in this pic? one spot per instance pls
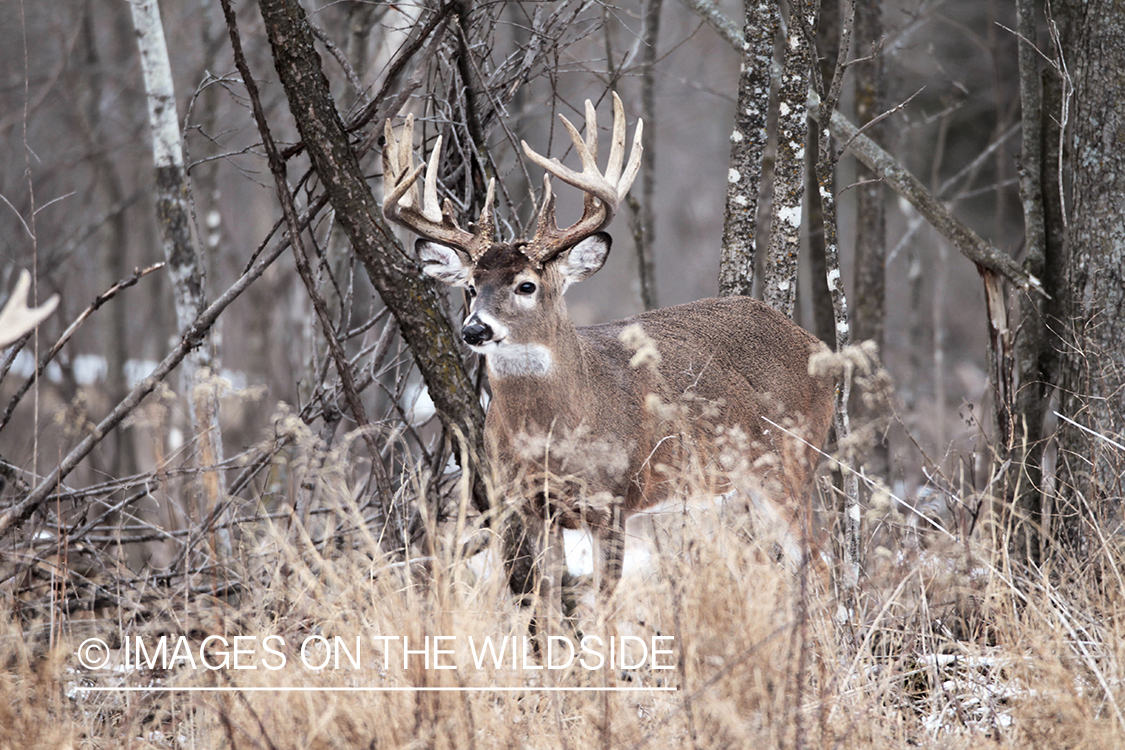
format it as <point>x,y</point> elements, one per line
<point>623,180</point>
<point>431,209</point>
<point>398,179</point>
<point>617,144</point>
<point>591,134</point>
<point>546,223</point>
<point>427,218</point>
<point>486,227</point>
<point>590,179</point>
<point>634,165</point>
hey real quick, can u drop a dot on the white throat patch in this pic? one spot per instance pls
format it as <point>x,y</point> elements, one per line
<point>508,360</point>
<point>519,360</point>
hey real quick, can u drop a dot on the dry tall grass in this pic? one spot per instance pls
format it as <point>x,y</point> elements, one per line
<point>950,648</point>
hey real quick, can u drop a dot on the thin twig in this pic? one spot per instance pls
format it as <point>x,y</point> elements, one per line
<point>292,221</point>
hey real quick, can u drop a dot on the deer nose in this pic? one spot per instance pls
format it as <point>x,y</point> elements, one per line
<point>476,333</point>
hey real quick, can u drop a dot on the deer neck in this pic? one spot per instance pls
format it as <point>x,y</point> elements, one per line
<point>544,397</point>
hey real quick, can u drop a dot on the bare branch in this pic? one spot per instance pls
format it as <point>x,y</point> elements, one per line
<point>891,171</point>
<point>292,221</point>
<point>100,300</point>
<point>192,338</point>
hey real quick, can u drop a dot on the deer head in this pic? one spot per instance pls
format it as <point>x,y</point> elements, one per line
<point>516,288</point>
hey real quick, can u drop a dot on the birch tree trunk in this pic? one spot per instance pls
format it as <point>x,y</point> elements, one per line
<point>185,263</point>
<point>826,161</point>
<point>780,285</point>
<point>895,175</point>
<point>747,145</point>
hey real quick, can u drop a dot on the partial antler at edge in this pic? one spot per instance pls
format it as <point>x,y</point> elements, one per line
<point>17,318</point>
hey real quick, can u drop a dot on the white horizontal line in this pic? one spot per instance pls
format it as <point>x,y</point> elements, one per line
<point>290,689</point>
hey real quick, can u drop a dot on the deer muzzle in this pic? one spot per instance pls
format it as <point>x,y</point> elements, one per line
<point>476,333</point>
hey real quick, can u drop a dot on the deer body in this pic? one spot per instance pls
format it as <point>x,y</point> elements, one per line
<point>587,425</point>
<point>725,362</point>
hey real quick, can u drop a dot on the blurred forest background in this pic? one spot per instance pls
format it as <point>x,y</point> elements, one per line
<point>78,175</point>
<point>209,399</point>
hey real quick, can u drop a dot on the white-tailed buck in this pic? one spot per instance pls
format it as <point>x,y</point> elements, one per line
<point>587,425</point>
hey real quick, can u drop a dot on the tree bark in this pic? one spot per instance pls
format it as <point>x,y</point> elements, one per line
<point>780,284</point>
<point>115,246</point>
<point>300,255</point>
<point>1091,459</point>
<point>1030,381</point>
<point>184,261</point>
<point>748,144</point>
<point>869,310</point>
<point>645,232</point>
<point>827,37</point>
<point>395,275</point>
<point>870,241</point>
<point>826,160</point>
<point>895,175</point>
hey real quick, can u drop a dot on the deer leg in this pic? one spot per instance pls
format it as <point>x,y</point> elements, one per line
<point>609,554</point>
<point>551,565</point>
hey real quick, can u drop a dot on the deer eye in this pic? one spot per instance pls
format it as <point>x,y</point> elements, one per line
<point>526,287</point>
<point>471,291</point>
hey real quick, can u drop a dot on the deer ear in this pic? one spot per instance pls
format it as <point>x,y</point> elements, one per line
<point>446,264</point>
<point>584,259</point>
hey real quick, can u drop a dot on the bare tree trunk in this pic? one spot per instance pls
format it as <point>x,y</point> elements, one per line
<point>823,317</point>
<point>351,394</point>
<point>869,310</point>
<point>1091,461</point>
<point>1025,491</point>
<point>116,245</point>
<point>394,273</point>
<point>184,261</point>
<point>339,291</point>
<point>748,144</point>
<point>895,175</point>
<point>826,160</point>
<point>780,284</point>
<point>646,236</point>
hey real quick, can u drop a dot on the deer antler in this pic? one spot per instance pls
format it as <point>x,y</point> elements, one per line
<point>17,318</point>
<point>603,191</point>
<point>427,219</point>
